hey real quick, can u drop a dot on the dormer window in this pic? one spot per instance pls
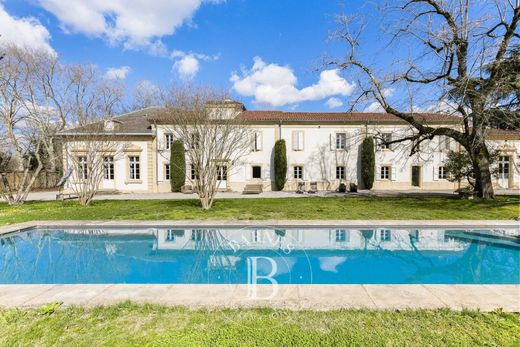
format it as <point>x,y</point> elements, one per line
<point>109,125</point>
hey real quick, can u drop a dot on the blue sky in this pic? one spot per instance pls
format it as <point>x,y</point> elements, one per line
<point>267,53</point>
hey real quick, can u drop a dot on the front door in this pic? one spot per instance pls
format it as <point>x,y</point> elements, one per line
<point>416,176</point>
<point>222,177</point>
<point>503,171</point>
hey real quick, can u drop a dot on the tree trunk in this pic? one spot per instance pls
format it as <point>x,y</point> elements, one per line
<point>481,167</point>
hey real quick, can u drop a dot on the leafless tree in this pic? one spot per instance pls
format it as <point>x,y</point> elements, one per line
<point>22,138</point>
<point>92,145</point>
<point>146,94</point>
<point>216,141</point>
<point>462,52</point>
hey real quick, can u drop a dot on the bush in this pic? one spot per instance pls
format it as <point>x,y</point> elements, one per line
<point>280,164</point>
<point>177,165</point>
<point>368,162</point>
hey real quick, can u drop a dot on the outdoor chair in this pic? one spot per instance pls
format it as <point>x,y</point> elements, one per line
<point>253,189</point>
<point>313,188</point>
<point>301,188</point>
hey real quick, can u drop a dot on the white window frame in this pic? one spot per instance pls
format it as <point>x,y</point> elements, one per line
<point>504,161</point>
<point>441,173</point>
<point>222,173</point>
<point>385,235</point>
<point>134,167</point>
<point>341,141</point>
<point>82,167</point>
<point>341,235</point>
<point>170,235</point>
<point>168,140</point>
<point>341,172</point>
<point>298,140</point>
<point>385,137</point>
<point>108,168</point>
<point>385,172</point>
<point>298,172</point>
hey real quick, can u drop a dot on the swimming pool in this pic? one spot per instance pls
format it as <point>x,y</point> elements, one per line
<point>238,255</point>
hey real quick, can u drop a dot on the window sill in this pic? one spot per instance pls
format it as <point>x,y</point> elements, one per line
<point>134,182</point>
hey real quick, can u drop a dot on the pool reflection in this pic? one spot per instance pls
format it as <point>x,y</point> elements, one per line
<point>291,255</point>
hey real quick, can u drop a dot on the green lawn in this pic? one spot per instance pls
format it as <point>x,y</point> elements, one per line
<point>287,208</point>
<point>144,325</point>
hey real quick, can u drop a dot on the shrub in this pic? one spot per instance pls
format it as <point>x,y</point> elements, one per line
<point>280,164</point>
<point>177,165</point>
<point>368,162</point>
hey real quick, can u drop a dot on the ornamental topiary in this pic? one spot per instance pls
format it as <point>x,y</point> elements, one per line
<point>368,162</point>
<point>280,164</point>
<point>177,165</point>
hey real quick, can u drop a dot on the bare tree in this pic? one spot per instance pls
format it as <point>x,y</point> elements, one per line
<point>92,145</point>
<point>216,141</point>
<point>146,94</point>
<point>465,61</point>
<point>22,155</point>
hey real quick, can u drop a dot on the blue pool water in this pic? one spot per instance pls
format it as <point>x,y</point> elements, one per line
<point>332,255</point>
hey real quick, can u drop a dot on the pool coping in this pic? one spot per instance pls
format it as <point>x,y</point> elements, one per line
<point>292,297</point>
<point>273,223</point>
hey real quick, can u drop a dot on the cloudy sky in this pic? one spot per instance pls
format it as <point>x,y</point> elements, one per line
<point>267,53</point>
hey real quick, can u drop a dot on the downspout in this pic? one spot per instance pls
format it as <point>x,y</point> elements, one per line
<point>156,158</point>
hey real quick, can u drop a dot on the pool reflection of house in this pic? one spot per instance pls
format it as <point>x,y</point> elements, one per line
<point>307,239</point>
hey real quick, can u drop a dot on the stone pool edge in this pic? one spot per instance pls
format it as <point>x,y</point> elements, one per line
<point>293,297</point>
<point>241,223</point>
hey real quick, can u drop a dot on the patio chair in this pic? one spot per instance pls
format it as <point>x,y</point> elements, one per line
<point>253,189</point>
<point>301,188</point>
<point>313,188</point>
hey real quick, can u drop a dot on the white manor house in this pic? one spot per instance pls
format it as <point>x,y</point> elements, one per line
<point>321,147</point>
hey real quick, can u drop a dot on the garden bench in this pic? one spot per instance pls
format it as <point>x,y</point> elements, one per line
<point>252,189</point>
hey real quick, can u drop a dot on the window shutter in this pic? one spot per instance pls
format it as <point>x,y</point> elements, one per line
<point>259,140</point>
<point>294,141</point>
<point>331,142</point>
<point>393,174</point>
<point>347,141</point>
<point>300,140</point>
<point>448,143</point>
<point>249,172</point>
<point>435,173</point>
<point>378,173</point>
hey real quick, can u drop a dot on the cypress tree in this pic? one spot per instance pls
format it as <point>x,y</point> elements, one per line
<point>280,164</point>
<point>368,162</point>
<point>177,165</point>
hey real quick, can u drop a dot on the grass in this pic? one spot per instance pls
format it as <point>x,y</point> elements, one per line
<point>129,324</point>
<point>364,208</point>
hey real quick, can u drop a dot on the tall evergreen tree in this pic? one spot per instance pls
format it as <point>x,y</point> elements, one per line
<point>177,165</point>
<point>280,164</point>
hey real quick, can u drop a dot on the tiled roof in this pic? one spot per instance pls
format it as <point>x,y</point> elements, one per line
<point>135,122</point>
<point>342,117</point>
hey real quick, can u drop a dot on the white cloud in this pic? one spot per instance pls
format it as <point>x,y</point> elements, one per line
<point>118,73</point>
<point>275,85</point>
<point>24,32</point>
<point>136,24</point>
<point>376,106</point>
<point>334,103</point>
<point>187,65</point>
<point>330,264</point>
